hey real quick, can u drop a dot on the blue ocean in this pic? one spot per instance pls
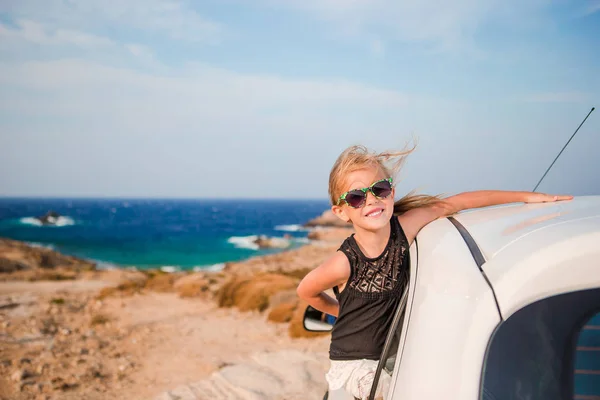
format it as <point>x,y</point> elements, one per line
<point>168,234</point>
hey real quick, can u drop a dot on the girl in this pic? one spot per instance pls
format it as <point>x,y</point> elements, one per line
<point>369,272</point>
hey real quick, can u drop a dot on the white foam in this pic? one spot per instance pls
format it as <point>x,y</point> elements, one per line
<point>58,222</point>
<point>169,268</point>
<point>64,221</point>
<point>210,268</point>
<point>104,265</point>
<point>244,242</point>
<point>291,228</point>
<point>30,221</point>
<point>40,245</point>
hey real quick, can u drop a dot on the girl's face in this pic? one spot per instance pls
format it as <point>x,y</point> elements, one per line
<point>376,212</point>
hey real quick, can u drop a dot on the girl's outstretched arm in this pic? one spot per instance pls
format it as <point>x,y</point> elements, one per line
<point>414,220</point>
<point>332,272</point>
<point>485,198</point>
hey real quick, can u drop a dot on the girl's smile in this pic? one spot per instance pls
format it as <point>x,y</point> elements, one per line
<point>374,213</point>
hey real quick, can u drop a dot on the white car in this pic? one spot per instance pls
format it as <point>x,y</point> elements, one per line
<point>503,303</point>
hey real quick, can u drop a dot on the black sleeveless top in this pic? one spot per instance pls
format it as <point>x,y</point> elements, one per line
<point>370,297</point>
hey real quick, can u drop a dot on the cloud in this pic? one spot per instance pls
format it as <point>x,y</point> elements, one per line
<point>193,93</point>
<point>140,51</point>
<point>178,131</point>
<point>29,37</point>
<point>378,47</point>
<point>557,97</point>
<point>34,32</point>
<point>177,19</point>
<point>442,24</point>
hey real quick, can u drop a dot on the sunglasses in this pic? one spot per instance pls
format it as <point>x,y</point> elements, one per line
<point>357,198</point>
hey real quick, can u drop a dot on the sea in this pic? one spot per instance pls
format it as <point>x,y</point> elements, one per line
<point>168,234</point>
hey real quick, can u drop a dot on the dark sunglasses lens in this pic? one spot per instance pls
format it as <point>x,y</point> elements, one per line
<point>382,189</point>
<point>355,198</point>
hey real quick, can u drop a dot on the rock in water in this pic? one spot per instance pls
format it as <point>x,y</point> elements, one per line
<point>50,218</point>
<point>265,242</point>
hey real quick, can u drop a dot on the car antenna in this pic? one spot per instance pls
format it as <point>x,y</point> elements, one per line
<point>564,147</point>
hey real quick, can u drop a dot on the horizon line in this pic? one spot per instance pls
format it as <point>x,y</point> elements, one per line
<point>57,197</point>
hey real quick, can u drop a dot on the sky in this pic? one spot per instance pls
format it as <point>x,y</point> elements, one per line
<point>256,99</point>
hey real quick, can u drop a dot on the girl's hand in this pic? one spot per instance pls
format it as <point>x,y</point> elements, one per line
<point>545,198</point>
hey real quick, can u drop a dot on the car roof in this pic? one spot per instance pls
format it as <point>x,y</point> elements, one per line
<point>533,251</point>
<point>494,228</point>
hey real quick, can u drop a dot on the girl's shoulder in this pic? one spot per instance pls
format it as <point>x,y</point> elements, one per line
<point>412,221</point>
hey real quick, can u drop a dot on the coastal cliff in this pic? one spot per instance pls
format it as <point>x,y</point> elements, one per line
<point>70,329</point>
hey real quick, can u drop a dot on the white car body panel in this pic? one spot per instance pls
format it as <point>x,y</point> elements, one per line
<point>538,250</point>
<point>453,316</point>
<point>495,228</point>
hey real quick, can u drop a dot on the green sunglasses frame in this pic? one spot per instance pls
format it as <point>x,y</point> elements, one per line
<point>364,190</point>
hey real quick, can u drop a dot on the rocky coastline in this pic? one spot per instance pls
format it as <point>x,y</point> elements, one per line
<point>71,331</point>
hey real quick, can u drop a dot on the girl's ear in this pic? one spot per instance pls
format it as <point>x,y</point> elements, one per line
<point>340,212</point>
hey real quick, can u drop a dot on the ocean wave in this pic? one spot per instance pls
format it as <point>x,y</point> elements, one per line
<point>60,222</point>
<point>105,265</point>
<point>250,242</point>
<point>210,268</point>
<point>40,245</point>
<point>244,242</point>
<point>291,228</point>
<point>170,268</point>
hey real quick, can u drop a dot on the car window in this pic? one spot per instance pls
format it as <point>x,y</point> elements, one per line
<point>534,353</point>
<point>587,360</point>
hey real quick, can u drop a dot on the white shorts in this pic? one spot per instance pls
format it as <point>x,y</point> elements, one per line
<point>356,377</point>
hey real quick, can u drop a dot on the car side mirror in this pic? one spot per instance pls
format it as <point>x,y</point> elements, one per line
<point>317,321</point>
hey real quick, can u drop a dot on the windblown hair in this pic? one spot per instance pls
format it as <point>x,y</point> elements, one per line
<point>359,157</point>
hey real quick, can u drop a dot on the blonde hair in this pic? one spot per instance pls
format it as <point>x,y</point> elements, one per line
<point>358,157</point>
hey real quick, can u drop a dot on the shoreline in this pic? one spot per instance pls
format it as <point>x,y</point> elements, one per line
<point>259,245</point>
<point>74,331</point>
<point>152,233</point>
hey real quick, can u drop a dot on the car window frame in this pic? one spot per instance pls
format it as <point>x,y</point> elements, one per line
<point>401,318</point>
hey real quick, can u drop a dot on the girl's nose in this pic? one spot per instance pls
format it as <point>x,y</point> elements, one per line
<point>371,197</point>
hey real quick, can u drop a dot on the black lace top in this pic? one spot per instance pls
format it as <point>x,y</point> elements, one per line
<point>370,297</point>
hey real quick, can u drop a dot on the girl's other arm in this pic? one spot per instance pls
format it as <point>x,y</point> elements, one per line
<point>414,220</point>
<point>332,272</point>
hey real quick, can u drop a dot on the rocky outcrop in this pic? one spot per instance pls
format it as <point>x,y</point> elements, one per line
<point>8,265</point>
<point>19,261</point>
<point>253,293</point>
<point>283,374</point>
<point>331,234</point>
<point>328,218</point>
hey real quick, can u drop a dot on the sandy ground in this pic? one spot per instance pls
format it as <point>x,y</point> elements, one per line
<point>155,342</point>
